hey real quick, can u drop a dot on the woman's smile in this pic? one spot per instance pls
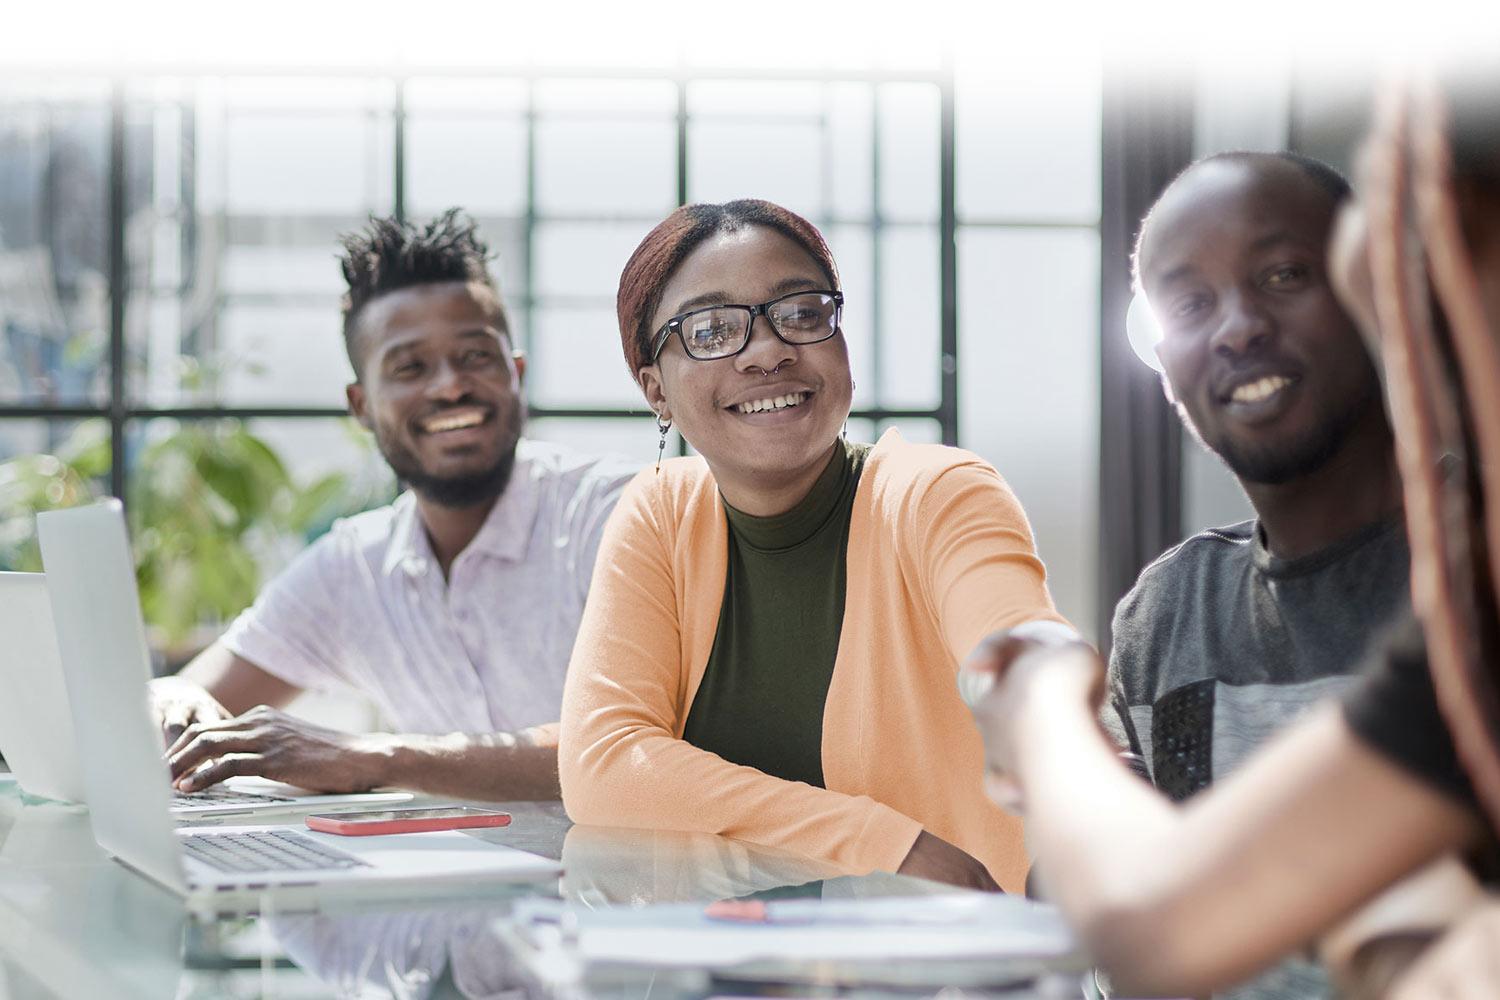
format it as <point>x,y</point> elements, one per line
<point>778,402</point>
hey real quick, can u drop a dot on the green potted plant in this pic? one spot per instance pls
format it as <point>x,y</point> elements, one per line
<point>210,506</point>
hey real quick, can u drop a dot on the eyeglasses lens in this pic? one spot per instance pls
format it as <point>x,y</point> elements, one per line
<point>713,333</point>
<point>721,331</point>
<point>805,319</point>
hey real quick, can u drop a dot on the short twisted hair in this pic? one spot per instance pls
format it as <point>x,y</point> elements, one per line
<point>390,254</point>
<point>664,249</point>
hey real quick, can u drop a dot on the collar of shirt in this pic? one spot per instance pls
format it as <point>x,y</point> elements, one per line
<point>505,534</point>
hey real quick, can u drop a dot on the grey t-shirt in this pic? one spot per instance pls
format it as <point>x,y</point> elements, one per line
<point>1220,643</point>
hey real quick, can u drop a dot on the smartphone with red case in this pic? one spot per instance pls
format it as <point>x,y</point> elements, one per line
<point>377,823</point>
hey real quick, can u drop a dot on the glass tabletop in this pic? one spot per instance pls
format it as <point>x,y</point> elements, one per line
<point>74,922</point>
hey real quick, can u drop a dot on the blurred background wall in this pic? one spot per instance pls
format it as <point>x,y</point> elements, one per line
<point>170,201</point>
<point>169,324</point>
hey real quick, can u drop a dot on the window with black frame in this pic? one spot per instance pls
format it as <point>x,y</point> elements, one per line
<point>185,228</point>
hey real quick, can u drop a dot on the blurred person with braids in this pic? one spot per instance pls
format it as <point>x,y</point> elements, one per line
<point>1405,769</point>
<point>774,629</point>
<point>454,609</point>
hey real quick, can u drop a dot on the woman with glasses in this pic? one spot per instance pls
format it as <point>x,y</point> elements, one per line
<point>774,629</point>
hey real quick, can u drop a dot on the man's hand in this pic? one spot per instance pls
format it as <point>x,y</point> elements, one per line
<point>178,703</point>
<point>268,743</point>
<point>934,858</point>
<point>1464,963</point>
<point>1074,670</point>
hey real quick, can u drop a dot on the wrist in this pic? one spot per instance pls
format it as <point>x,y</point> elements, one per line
<point>1044,687</point>
<point>1060,674</point>
<point>380,757</point>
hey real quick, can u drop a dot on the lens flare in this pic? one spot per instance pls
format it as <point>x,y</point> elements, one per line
<point>1143,330</point>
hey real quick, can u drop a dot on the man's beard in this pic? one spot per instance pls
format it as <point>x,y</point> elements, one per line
<point>457,492</point>
<point>1283,462</point>
<point>469,489</point>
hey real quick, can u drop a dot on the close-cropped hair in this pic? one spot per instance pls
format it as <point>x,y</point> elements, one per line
<point>664,249</point>
<point>390,254</point>
<point>1333,183</point>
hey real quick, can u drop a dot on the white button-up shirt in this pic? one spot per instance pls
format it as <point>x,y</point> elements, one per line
<point>366,607</point>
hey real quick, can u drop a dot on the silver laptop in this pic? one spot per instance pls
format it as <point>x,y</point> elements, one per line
<point>36,724</point>
<point>102,642</point>
<point>36,731</point>
<point>36,728</point>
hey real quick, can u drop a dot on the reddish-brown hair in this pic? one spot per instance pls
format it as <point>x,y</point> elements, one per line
<point>1442,362</point>
<point>665,248</point>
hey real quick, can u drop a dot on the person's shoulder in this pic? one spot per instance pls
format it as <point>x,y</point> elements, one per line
<point>1213,553</point>
<point>366,534</point>
<point>545,461</point>
<point>671,493</point>
<point>1211,547</point>
<point>896,455</point>
<point>897,466</point>
<point>351,542</point>
<point>369,527</point>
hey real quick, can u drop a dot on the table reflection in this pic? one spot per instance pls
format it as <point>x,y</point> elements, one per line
<point>63,918</point>
<point>604,865</point>
<point>78,924</point>
<point>402,955</point>
<point>457,949</point>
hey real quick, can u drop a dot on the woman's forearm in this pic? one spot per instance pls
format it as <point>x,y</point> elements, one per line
<point>1092,825</point>
<point>1192,899</point>
<point>634,775</point>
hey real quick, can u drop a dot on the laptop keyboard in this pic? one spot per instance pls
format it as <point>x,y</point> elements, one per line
<point>223,796</point>
<point>266,850</point>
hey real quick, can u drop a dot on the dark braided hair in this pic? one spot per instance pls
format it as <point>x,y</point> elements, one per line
<point>1442,360</point>
<point>389,254</point>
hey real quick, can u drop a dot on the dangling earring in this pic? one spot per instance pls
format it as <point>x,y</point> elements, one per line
<point>661,445</point>
<point>852,386</point>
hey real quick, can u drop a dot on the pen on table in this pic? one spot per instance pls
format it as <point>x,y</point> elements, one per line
<point>756,911</point>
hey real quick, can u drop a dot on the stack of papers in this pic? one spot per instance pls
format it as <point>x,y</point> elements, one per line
<point>681,935</point>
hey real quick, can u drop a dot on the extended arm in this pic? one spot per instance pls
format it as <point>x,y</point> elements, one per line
<point>1191,899</point>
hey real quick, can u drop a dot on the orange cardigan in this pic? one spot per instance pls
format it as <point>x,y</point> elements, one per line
<point>940,555</point>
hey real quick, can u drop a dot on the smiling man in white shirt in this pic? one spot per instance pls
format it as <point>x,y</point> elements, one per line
<point>454,609</point>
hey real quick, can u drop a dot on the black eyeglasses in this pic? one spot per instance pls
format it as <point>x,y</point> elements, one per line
<point>715,332</point>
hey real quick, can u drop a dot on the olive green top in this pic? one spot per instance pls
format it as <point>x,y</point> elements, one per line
<point>761,699</point>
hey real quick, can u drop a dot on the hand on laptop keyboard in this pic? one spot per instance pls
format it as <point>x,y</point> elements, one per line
<point>268,743</point>
<point>177,703</point>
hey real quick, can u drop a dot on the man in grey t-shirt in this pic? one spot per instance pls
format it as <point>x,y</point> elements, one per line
<point>1221,643</point>
<point>1229,636</point>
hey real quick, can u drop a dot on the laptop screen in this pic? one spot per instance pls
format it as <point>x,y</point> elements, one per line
<point>91,579</point>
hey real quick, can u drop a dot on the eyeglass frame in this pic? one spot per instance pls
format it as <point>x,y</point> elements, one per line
<point>674,325</point>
